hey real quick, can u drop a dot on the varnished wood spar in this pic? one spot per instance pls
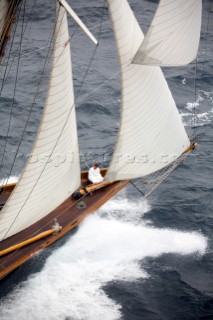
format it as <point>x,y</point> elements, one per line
<point>8,188</point>
<point>191,147</point>
<point>69,214</point>
<point>94,187</point>
<point>57,228</point>
<point>9,21</point>
<point>29,241</point>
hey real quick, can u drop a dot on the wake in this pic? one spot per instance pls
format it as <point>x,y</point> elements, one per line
<point>107,247</point>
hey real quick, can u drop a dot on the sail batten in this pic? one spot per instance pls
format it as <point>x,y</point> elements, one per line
<point>151,133</point>
<point>173,37</point>
<point>47,179</point>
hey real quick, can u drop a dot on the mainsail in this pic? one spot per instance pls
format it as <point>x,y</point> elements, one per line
<point>151,132</point>
<point>173,37</point>
<point>44,183</point>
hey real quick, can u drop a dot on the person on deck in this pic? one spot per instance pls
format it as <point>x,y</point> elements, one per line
<point>94,175</point>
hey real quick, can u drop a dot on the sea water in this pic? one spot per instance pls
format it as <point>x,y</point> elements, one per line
<point>135,258</point>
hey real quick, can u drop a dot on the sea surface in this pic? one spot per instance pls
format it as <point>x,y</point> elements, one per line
<point>134,258</point>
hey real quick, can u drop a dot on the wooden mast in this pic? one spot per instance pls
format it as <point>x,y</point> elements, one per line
<point>9,20</point>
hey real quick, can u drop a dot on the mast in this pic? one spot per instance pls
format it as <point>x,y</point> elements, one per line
<point>44,185</point>
<point>7,18</point>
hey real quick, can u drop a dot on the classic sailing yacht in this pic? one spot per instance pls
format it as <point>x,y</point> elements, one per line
<point>48,201</point>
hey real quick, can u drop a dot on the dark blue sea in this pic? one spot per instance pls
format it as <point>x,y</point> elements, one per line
<point>135,258</point>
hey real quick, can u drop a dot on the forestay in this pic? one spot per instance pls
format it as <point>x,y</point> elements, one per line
<point>44,183</point>
<point>173,37</point>
<point>151,132</point>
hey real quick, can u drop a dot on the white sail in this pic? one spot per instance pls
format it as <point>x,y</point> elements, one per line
<point>151,131</point>
<point>53,172</point>
<point>4,5</point>
<point>173,37</point>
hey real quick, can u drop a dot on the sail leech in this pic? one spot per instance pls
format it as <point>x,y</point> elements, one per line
<point>173,37</point>
<point>44,183</point>
<point>150,126</point>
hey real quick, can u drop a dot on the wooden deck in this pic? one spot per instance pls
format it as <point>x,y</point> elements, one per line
<point>69,214</point>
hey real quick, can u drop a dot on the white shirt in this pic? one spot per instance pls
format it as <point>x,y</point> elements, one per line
<point>94,175</point>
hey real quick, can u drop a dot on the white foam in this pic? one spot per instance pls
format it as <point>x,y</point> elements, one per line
<point>197,115</point>
<point>103,250</point>
<point>191,105</point>
<point>197,120</point>
<point>123,209</point>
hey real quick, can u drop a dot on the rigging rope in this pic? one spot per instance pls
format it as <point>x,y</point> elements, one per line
<point>194,119</point>
<point>100,86</point>
<point>14,93</point>
<point>32,105</point>
<point>40,173</point>
<point>94,53</point>
<point>89,66</point>
<point>17,50</point>
<point>196,100</point>
<point>13,59</point>
<point>45,47</point>
<point>45,225</point>
<point>148,184</point>
<point>8,19</point>
<point>2,63</point>
<point>41,77</point>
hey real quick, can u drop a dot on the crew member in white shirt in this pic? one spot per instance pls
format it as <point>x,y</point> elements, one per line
<point>94,175</point>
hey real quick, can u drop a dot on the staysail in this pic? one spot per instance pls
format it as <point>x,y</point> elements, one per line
<point>151,132</point>
<point>52,173</point>
<point>173,37</point>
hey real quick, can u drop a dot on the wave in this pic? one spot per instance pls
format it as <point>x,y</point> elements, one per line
<point>193,117</point>
<point>108,247</point>
<point>197,120</point>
